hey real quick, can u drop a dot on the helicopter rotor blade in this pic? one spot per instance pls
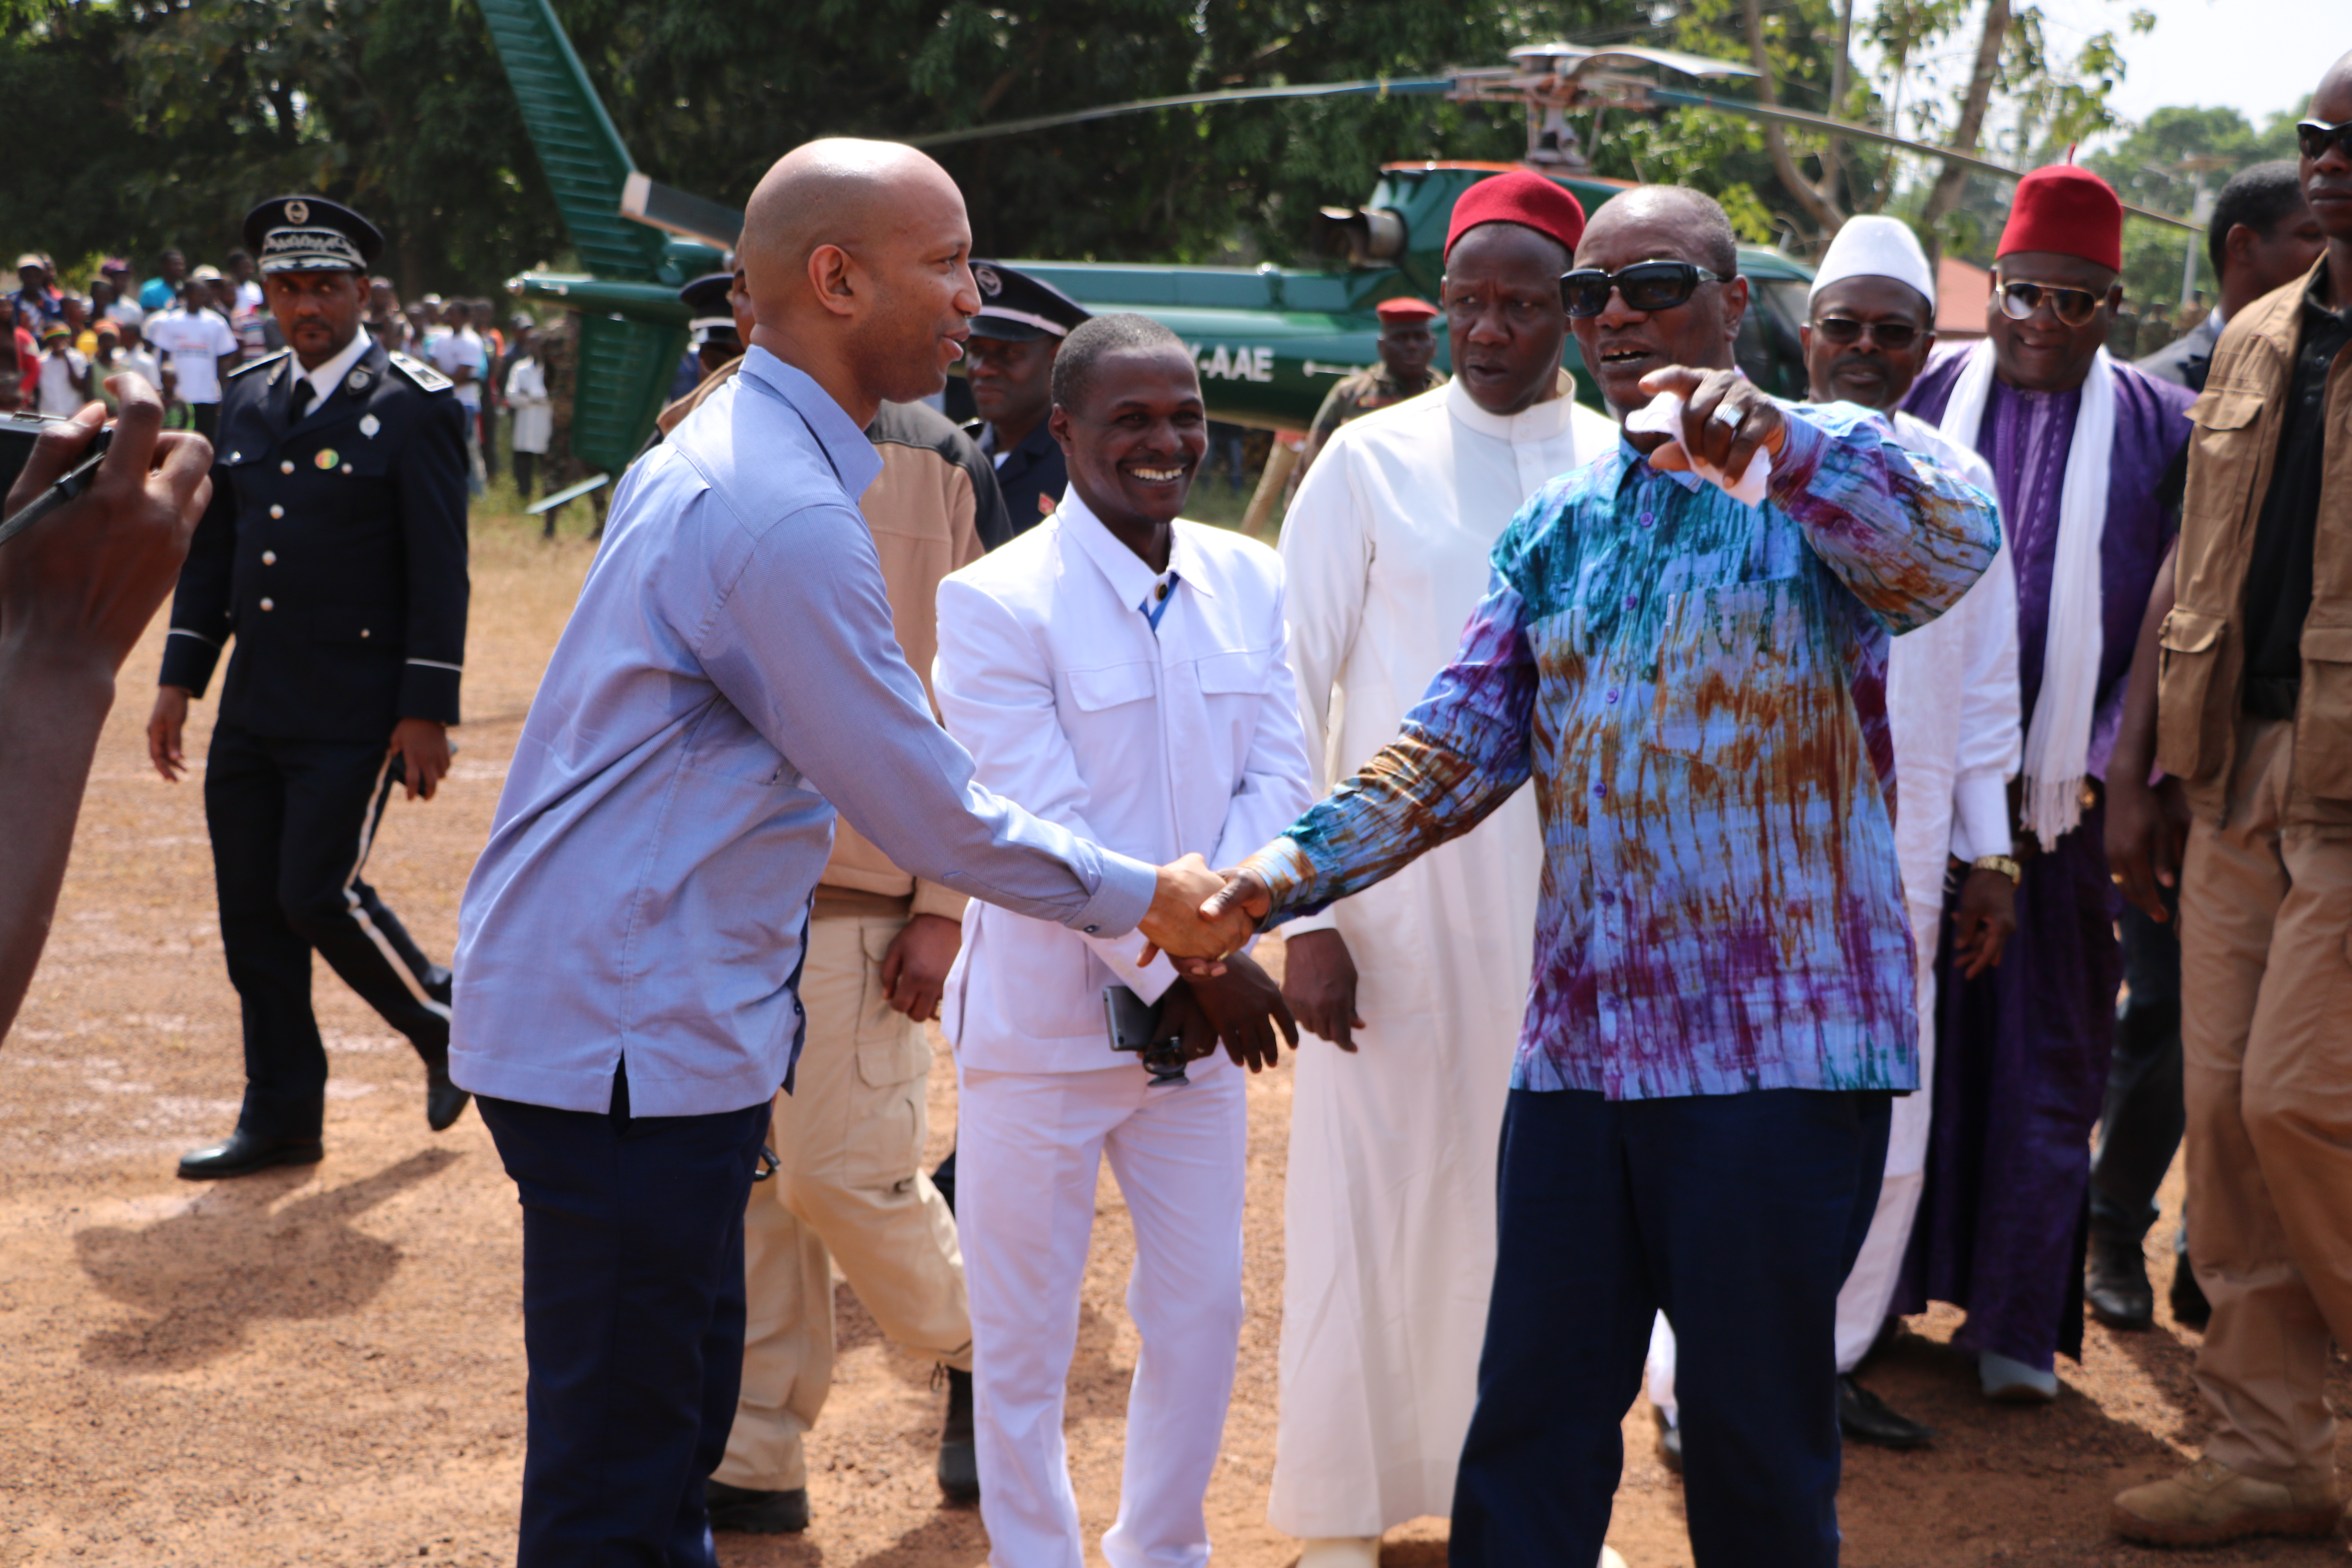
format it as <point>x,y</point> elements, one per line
<point>1377,87</point>
<point>680,212</point>
<point>1822,123</point>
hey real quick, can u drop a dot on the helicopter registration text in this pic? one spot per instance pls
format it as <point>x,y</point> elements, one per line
<point>1229,364</point>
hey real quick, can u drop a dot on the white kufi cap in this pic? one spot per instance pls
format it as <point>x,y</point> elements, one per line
<point>1875,247</point>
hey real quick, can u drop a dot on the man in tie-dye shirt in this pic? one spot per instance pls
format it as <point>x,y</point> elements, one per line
<point>1722,998</point>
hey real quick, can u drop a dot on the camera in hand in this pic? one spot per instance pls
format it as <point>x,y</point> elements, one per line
<point>1137,1026</point>
<point>18,432</point>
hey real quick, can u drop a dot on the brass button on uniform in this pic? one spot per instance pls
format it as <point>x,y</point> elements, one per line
<point>268,604</point>
<point>363,631</point>
<point>287,466</point>
<point>269,558</point>
<point>277,511</point>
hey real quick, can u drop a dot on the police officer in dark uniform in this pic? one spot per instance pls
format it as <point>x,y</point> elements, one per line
<point>334,551</point>
<point>712,331</point>
<point>1010,364</point>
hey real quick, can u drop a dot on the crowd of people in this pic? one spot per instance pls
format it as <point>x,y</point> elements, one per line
<point>1698,1055</point>
<point>184,330</point>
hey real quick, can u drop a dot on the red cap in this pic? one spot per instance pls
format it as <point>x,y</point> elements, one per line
<point>2068,211</point>
<point>1528,200</point>
<point>1406,308</point>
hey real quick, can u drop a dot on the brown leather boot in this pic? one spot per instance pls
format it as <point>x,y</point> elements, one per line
<point>2210,1503</point>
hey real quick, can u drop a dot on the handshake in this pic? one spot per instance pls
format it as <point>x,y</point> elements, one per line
<point>1200,917</point>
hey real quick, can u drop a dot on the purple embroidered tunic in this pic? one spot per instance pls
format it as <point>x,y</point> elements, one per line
<point>2022,1057</point>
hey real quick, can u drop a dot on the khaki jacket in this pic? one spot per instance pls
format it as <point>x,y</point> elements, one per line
<point>2231,452</point>
<point>922,511</point>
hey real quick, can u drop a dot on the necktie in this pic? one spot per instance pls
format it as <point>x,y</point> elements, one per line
<point>303,393</point>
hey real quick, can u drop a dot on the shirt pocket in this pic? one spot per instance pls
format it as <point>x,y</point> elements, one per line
<point>2323,719</point>
<point>2192,734</point>
<point>1731,671</point>
<point>2222,453</point>
<point>1110,686</point>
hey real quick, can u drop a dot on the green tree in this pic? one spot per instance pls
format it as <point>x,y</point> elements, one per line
<point>2165,164</point>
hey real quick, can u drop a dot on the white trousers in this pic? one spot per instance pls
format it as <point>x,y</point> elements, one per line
<point>1869,1288</point>
<point>1028,1150</point>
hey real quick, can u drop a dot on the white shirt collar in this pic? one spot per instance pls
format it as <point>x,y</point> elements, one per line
<point>330,375</point>
<point>1130,576</point>
<point>1541,422</point>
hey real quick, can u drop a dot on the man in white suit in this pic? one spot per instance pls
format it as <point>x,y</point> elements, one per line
<point>1123,674</point>
<point>1389,1210</point>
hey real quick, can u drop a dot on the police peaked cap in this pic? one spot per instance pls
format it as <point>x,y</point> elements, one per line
<point>311,234</point>
<point>1015,306</point>
<point>714,318</point>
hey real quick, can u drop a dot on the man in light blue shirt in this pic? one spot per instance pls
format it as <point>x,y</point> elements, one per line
<point>631,934</point>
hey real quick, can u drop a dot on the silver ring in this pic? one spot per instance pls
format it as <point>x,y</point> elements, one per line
<point>1723,415</point>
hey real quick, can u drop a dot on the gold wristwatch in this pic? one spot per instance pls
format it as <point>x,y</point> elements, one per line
<point>2001,863</point>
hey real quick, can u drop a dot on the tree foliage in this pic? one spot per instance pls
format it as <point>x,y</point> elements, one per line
<point>192,109</point>
<point>171,117</point>
<point>2164,164</point>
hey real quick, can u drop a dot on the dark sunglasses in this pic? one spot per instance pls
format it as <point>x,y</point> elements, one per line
<point>1646,285</point>
<point>2072,307</point>
<point>1845,329</point>
<point>2314,135</point>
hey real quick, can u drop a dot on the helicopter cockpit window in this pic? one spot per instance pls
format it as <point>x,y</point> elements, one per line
<point>1768,349</point>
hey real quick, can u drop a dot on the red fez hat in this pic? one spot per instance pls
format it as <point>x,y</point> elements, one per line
<point>1520,197</point>
<point>1405,309</point>
<point>2067,211</point>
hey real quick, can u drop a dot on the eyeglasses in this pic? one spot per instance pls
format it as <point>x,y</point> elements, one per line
<point>2072,307</point>
<point>1843,330</point>
<point>1647,286</point>
<point>2314,135</point>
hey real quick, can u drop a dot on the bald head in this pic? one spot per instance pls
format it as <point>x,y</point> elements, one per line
<point>855,257</point>
<point>1700,228</point>
<point>840,191</point>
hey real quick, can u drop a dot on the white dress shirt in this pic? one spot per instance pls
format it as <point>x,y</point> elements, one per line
<point>1153,744</point>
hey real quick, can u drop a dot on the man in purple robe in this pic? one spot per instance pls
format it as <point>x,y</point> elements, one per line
<point>2088,457</point>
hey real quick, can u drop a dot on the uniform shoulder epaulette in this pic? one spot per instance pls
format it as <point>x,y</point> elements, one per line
<point>423,375</point>
<point>264,363</point>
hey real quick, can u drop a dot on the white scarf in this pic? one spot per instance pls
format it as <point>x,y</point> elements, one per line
<point>2058,739</point>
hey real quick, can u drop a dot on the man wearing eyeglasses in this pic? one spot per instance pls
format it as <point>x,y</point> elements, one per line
<point>2253,714</point>
<point>2086,455</point>
<point>1952,702</point>
<point>1424,978</point>
<point>1721,1002</point>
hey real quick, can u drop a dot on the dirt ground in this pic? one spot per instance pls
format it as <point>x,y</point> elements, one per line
<point>324,1367</point>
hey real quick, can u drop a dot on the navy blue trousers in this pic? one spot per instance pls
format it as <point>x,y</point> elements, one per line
<point>1738,1215</point>
<point>633,1323</point>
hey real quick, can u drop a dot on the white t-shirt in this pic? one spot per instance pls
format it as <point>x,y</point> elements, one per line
<point>126,311</point>
<point>143,363</point>
<point>461,349</point>
<point>195,340</point>
<point>61,380</point>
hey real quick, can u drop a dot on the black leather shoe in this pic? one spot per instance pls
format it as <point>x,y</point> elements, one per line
<point>749,1513</point>
<point>1866,1418</point>
<point>1670,1441</point>
<point>959,1459</point>
<point>244,1153</point>
<point>443,1100</point>
<point>2115,1284</point>
<point>2191,1310</point>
